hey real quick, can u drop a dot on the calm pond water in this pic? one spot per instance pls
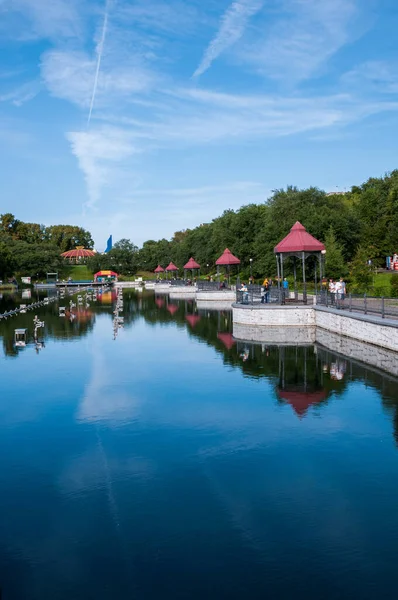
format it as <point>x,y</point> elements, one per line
<point>173,462</point>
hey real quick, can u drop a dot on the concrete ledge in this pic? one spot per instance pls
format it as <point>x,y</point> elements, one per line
<point>216,296</point>
<point>377,357</point>
<point>369,318</point>
<point>210,305</point>
<point>273,316</point>
<point>293,336</point>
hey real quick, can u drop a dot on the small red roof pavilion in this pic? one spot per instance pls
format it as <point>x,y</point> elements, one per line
<point>299,240</point>
<point>298,244</point>
<point>227,258</point>
<point>192,264</point>
<point>159,269</point>
<point>301,401</point>
<point>171,267</point>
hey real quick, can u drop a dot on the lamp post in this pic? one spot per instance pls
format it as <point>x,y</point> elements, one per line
<point>251,260</point>
<point>207,265</point>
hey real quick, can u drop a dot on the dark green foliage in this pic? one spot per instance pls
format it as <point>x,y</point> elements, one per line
<point>394,286</point>
<point>33,249</point>
<point>335,265</point>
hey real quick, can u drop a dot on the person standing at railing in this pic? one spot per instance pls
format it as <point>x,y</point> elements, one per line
<point>245,294</point>
<point>332,291</point>
<point>265,291</point>
<point>342,288</point>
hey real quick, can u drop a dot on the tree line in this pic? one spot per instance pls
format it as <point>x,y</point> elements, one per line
<point>358,226</point>
<point>33,249</point>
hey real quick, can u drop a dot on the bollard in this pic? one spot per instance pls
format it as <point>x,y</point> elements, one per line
<point>382,308</point>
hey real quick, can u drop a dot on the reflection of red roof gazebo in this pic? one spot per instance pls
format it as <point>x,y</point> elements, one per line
<point>299,244</point>
<point>192,319</point>
<point>159,302</point>
<point>301,401</point>
<point>171,268</point>
<point>172,308</point>
<point>226,260</point>
<point>78,254</point>
<point>227,339</point>
<point>191,265</point>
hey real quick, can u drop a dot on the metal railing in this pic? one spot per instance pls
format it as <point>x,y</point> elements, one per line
<point>212,286</point>
<point>256,294</point>
<point>385,307</point>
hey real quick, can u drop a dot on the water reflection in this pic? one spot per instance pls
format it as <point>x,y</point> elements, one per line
<point>178,461</point>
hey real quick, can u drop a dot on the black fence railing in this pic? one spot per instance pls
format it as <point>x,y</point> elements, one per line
<point>385,307</point>
<point>256,294</point>
<point>212,286</point>
<point>179,282</point>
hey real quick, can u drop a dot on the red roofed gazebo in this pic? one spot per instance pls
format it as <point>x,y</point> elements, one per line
<point>298,244</point>
<point>226,260</point>
<point>191,265</point>
<point>227,339</point>
<point>78,254</point>
<point>159,269</point>
<point>171,268</point>
<point>300,400</point>
<point>192,319</point>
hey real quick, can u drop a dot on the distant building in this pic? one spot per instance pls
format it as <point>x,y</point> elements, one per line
<point>335,193</point>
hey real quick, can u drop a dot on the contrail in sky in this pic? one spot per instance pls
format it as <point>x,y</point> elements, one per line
<point>232,26</point>
<point>100,51</point>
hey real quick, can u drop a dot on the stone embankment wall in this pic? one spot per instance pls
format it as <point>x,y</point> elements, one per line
<point>217,296</point>
<point>275,316</point>
<point>259,322</point>
<point>365,328</point>
<point>380,358</point>
<point>299,336</point>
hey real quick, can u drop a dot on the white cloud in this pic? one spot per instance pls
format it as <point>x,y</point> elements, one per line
<point>232,27</point>
<point>21,94</point>
<point>378,76</point>
<point>70,75</point>
<point>98,152</point>
<point>307,33</point>
<point>55,19</point>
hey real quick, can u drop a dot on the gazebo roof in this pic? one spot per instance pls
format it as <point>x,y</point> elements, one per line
<point>301,401</point>
<point>78,253</point>
<point>171,267</point>
<point>159,269</point>
<point>227,258</point>
<point>172,308</point>
<point>227,339</point>
<point>192,264</point>
<point>192,319</point>
<point>299,240</point>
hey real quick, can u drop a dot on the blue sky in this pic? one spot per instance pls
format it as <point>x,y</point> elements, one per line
<point>143,117</point>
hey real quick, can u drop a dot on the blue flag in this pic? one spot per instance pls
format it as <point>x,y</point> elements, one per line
<point>109,244</point>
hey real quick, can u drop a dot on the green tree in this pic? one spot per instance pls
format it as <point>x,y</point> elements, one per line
<point>335,265</point>
<point>361,276</point>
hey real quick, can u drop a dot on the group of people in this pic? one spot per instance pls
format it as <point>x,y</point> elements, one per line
<point>337,289</point>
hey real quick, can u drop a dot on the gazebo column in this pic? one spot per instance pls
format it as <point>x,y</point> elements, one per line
<point>304,281</point>
<point>283,289</point>
<point>295,279</point>
<point>278,275</point>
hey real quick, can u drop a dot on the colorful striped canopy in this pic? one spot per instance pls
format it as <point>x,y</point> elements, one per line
<point>106,274</point>
<point>78,253</point>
